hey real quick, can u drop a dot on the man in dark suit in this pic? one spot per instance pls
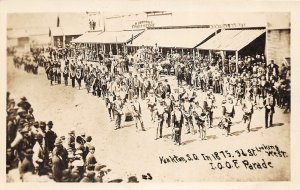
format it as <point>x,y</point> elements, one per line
<point>269,103</point>
<point>66,75</point>
<point>177,121</point>
<point>50,137</point>
<point>272,69</point>
<point>166,88</point>
<point>73,77</point>
<point>79,76</point>
<point>136,84</point>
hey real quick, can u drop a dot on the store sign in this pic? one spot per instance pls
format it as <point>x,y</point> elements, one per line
<point>142,24</point>
<point>233,25</point>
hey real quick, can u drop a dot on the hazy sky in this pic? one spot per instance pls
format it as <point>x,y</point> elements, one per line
<point>80,20</point>
<point>44,20</point>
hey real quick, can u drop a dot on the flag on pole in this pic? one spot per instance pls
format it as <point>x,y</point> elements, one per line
<point>58,21</point>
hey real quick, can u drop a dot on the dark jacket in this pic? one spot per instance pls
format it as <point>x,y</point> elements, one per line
<point>57,168</point>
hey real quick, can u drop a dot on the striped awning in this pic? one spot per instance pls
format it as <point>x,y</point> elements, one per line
<point>173,38</point>
<point>87,37</point>
<point>232,40</point>
<point>116,37</point>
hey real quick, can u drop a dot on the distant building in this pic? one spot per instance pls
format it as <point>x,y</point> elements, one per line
<point>278,39</point>
<point>61,36</point>
<point>26,38</point>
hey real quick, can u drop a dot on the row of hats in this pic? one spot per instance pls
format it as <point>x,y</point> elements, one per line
<point>42,123</point>
<point>26,129</point>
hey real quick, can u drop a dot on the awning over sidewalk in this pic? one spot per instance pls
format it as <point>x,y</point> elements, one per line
<point>173,38</point>
<point>232,40</point>
<point>87,37</point>
<point>116,37</point>
<point>66,31</point>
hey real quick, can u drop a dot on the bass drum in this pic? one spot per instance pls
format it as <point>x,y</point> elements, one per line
<point>128,117</point>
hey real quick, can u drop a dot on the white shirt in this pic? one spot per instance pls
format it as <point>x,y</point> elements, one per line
<point>229,108</point>
<point>151,99</point>
<point>38,150</point>
<point>186,106</point>
<point>177,114</point>
<point>168,101</point>
<point>160,109</point>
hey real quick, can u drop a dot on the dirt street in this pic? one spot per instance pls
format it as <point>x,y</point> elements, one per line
<point>128,152</point>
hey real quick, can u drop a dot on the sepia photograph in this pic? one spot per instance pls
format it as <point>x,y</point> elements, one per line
<point>148,96</point>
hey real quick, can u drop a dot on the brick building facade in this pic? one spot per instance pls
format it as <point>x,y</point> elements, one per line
<point>278,38</point>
